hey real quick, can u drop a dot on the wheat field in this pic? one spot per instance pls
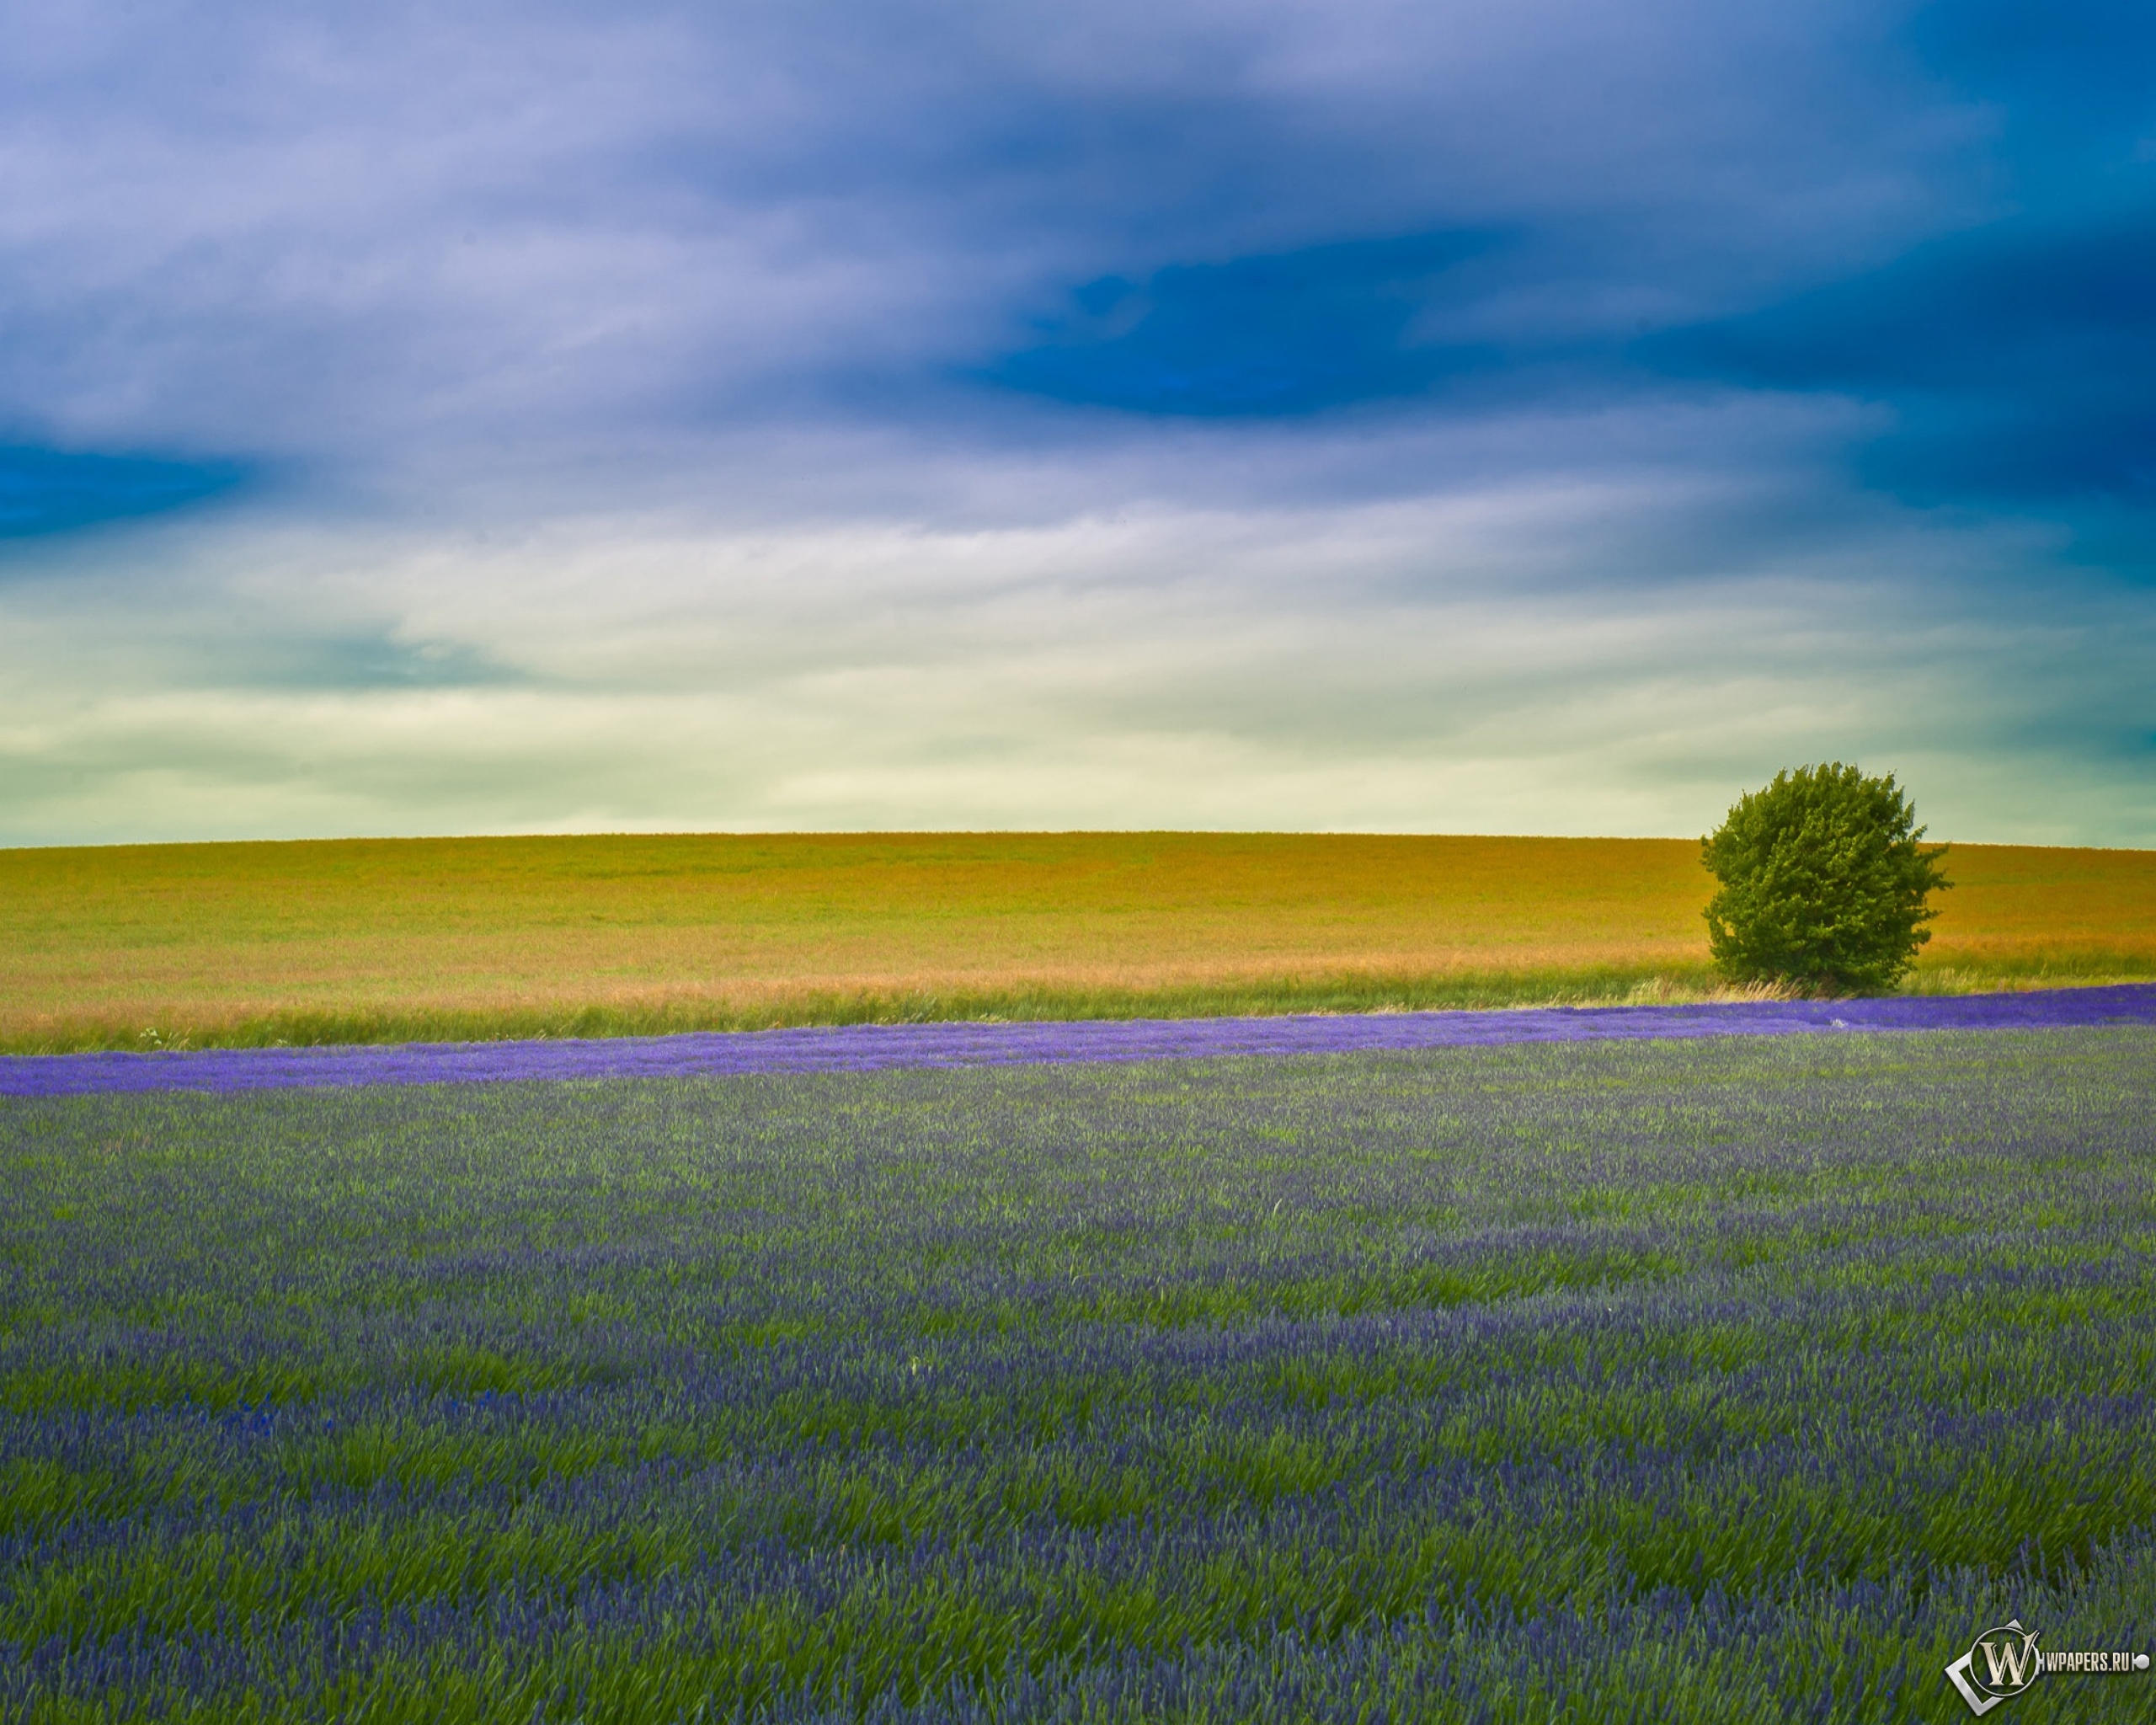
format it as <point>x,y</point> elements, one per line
<point>396,939</point>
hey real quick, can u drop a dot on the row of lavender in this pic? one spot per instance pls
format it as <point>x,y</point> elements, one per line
<point>1721,1379</point>
<point>882,1047</point>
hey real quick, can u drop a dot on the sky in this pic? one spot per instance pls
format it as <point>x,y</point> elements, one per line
<point>1554,416</point>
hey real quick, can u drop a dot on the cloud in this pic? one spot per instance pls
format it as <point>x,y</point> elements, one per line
<point>1318,328</point>
<point>1418,663</point>
<point>2020,360</point>
<point>424,245</point>
<point>1554,416</point>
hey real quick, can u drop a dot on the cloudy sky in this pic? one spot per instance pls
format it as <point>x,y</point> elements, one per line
<point>1550,416</point>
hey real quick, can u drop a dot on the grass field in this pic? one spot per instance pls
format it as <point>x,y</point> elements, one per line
<point>367,940</point>
<point>1718,1381</point>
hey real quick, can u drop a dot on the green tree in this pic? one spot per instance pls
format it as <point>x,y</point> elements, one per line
<point>1823,883</point>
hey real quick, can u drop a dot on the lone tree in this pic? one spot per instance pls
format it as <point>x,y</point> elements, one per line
<point>1822,883</point>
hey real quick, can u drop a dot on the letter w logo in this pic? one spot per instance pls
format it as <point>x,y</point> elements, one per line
<point>2011,1665</point>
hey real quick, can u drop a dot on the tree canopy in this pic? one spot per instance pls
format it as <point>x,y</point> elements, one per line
<point>1825,883</point>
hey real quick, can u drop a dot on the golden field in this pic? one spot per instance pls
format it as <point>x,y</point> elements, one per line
<point>369,940</point>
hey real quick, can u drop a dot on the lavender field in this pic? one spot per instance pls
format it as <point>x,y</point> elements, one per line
<point>1740,1378</point>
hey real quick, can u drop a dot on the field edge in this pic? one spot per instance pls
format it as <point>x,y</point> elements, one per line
<point>676,1012</point>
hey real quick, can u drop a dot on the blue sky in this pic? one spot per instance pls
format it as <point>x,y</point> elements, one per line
<point>1554,417</point>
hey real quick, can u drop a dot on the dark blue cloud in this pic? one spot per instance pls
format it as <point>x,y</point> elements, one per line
<point>2020,360</point>
<point>48,491</point>
<point>2017,358</point>
<point>1322,326</point>
<point>2067,74</point>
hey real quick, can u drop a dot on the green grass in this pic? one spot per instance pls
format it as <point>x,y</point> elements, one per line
<point>1693,1381</point>
<point>1596,985</point>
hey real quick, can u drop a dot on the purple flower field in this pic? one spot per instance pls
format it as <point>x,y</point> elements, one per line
<point>875,1047</point>
<point>1714,1378</point>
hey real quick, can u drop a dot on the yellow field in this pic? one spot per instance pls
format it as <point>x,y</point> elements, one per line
<point>363,940</point>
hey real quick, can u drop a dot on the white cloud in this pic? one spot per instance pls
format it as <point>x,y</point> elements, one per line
<point>1430,664</point>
